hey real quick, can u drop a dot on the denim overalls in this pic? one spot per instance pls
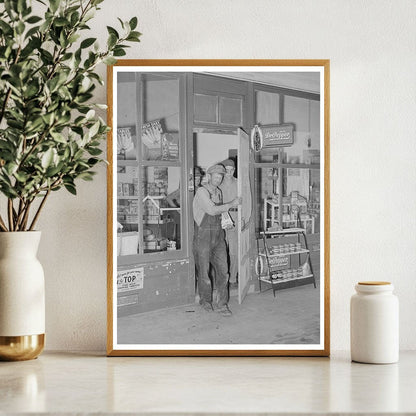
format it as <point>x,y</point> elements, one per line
<point>210,248</point>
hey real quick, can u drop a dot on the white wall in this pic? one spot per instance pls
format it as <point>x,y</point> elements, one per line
<point>213,148</point>
<point>373,146</point>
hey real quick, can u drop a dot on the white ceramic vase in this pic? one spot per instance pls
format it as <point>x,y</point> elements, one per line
<point>22,296</point>
<point>374,323</point>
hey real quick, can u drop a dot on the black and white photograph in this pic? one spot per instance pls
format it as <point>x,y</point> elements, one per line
<point>218,216</point>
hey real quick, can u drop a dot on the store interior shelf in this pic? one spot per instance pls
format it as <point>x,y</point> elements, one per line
<point>153,222</point>
<point>285,254</point>
<point>286,165</point>
<point>162,163</point>
<point>285,231</point>
<point>128,162</point>
<point>277,281</point>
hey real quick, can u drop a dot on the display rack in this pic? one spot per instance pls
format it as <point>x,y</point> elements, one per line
<point>156,221</point>
<point>276,249</point>
<point>296,219</point>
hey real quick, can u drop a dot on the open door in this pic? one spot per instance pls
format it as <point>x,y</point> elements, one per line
<point>244,214</point>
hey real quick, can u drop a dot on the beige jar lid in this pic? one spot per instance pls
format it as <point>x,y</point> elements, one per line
<point>374,283</point>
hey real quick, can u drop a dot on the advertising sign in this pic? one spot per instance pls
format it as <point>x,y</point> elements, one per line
<point>276,135</point>
<point>279,261</point>
<point>130,279</point>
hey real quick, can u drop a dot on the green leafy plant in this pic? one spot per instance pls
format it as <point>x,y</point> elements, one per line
<point>50,134</point>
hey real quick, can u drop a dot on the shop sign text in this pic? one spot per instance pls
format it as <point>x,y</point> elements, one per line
<point>276,135</point>
<point>130,279</point>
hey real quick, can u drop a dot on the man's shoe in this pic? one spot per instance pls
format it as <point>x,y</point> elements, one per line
<point>224,311</point>
<point>207,307</point>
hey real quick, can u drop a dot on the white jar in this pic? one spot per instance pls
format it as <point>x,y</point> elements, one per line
<point>374,323</point>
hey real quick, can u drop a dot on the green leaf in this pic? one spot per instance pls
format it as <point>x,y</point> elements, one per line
<point>121,22</point>
<point>34,125</point>
<point>48,118</point>
<point>20,27</point>
<point>110,60</point>
<point>133,37</point>
<point>74,18</point>
<point>73,38</point>
<point>21,5</point>
<point>112,31</point>
<point>21,177</point>
<point>119,52</point>
<point>54,4</point>
<point>112,41</point>
<point>94,151</point>
<point>10,168</point>
<point>90,114</point>
<point>70,188</point>
<point>33,19</point>
<point>7,29</point>
<point>61,21</point>
<point>47,158</point>
<point>94,129</point>
<point>133,23</point>
<point>86,176</point>
<point>52,171</point>
<point>86,43</point>
<point>60,138</point>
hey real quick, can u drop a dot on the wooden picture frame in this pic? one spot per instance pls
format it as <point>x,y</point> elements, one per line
<point>186,111</point>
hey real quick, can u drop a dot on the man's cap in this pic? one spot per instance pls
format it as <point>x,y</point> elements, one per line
<point>228,162</point>
<point>216,169</point>
<point>198,171</point>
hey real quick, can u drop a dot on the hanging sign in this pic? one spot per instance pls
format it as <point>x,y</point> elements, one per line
<point>131,279</point>
<point>271,136</point>
<point>276,135</point>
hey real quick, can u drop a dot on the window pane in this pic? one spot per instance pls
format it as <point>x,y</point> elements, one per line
<point>127,210</point>
<point>160,116</point>
<point>161,209</point>
<point>291,201</point>
<point>231,111</point>
<point>205,108</point>
<point>126,143</point>
<point>126,116</point>
<point>267,107</point>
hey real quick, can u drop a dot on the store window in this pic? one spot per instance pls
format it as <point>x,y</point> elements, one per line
<point>150,164</point>
<point>287,177</point>
<point>267,112</point>
<point>161,209</point>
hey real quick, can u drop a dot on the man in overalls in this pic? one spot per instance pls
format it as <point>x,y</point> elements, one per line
<point>209,240</point>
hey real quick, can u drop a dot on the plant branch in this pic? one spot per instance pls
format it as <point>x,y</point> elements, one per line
<point>26,216</point>
<point>32,149</point>
<point>18,216</point>
<point>21,212</point>
<point>39,209</point>
<point>10,213</point>
<point>2,225</point>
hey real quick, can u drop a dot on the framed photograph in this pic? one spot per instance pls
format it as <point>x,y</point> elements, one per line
<point>218,208</point>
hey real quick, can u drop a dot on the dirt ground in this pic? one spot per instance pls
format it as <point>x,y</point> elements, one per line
<point>292,317</point>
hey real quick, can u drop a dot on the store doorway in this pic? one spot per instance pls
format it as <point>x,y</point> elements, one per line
<point>211,146</point>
